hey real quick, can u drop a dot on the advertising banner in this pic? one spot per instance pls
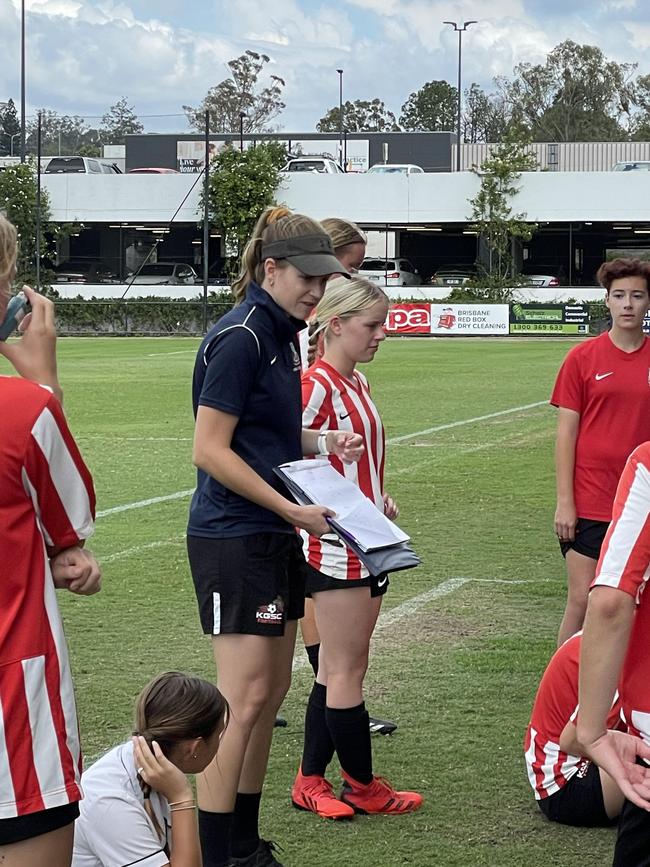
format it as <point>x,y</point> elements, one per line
<point>447,319</point>
<point>549,319</point>
<point>190,155</point>
<point>455,319</point>
<point>409,319</point>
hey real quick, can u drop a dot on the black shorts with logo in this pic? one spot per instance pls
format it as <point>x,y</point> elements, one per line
<point>588,538</point>
<point>580,801</point>
<point>18,828</point>
<point>318,581</point>
<point>248,585</point>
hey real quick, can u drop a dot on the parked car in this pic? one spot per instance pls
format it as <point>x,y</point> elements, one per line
<point>165,273</point>
<point>543,276</point>
<point>390,272</point>
<point>84,271</point>
<point>453,275</point>
<point>395,169</point>
<point>320,165</point>
<point>632,166</point>
<point>81,166</point>
<point>151,170</point>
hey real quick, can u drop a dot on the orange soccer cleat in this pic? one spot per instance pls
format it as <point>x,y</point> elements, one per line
<point>314,793</point>
<point>378,796</point>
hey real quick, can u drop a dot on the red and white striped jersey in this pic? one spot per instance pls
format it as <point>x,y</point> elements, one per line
<point>556,704</point>
<point>624,564</point>
<point>332,402</point>
<point>46,499</point>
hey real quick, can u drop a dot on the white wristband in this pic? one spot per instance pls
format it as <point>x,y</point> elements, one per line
<point>322,444</point>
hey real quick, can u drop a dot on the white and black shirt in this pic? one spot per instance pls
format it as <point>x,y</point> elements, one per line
<point>114,829</point>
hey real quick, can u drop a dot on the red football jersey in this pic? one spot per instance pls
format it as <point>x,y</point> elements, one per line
<point>46,499</point>
<point>333,402</point>
<point>611,391</point>
<point>556,704</point>
<point>625,565</point>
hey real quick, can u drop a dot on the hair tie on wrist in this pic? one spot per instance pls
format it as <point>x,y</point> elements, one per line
<point>322,444</point>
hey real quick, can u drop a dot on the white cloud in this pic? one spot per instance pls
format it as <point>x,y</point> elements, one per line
<point>617,5</point>
<point>83,55</point>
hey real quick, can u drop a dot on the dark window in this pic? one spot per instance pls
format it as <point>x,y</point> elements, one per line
<point>377,265</point>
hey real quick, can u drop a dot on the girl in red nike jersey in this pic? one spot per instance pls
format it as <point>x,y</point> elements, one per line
<point>603,397</point>
<point>47,507</point>
<point>350,319</point>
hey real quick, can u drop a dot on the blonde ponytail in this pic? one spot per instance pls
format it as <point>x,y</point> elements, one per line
<point>8,251</point>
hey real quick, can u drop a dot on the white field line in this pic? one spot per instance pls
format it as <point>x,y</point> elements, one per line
<point>406,609</point>
<point>431,461</point>
<point>464,421</point>
<point>180,495</point>
<point>141,504</point>
<point>115,439</point>
<point>176,352</point>
<point>148,546</point>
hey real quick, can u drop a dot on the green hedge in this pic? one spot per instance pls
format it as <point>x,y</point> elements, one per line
<point>155,316</point>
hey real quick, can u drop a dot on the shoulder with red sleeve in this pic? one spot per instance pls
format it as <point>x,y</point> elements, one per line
<point>625,555</point>
<point>569,388</point>
<point>55,474</point>
<point>317,406</point>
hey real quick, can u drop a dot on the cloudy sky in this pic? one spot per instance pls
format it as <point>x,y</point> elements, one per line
<point>83,55</point>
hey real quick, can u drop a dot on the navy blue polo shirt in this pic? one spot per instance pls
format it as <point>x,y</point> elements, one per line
<point>248,365</point>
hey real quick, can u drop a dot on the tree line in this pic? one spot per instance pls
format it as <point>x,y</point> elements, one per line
<point>577,94</point>
<point>67,134</point>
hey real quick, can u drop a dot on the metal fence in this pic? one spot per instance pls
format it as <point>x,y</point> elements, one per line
<point>122,317</point>
<point>579,156</point>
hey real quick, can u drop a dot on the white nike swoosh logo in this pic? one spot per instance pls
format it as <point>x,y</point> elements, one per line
<point>274,359</point>
<point>600,376</point>
<point>381,583</point>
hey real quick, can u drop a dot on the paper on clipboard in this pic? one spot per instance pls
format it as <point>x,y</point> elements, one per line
<point>357,517</point>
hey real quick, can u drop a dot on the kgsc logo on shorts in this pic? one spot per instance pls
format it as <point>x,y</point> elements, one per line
<point>272,613</point>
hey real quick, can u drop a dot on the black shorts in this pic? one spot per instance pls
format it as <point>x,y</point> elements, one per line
<point>580,801</point>
<point>248,585</point>
<point>588,539</point>
<point>25,827</point>
<point>317,582</point>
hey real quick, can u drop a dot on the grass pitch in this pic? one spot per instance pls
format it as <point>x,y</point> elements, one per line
<point>466,636</point>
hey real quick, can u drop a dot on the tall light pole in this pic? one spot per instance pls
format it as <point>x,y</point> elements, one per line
<point>242,115</point>
<point>22,82</point>
<point>460,31</point>
<point>340,72</point>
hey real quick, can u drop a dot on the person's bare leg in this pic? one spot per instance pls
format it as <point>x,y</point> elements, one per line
<point>345,619</point>
<point>612,795</point>
<point>308,626</point>
<point>580,573</point>
<point>53,849</point>
<point>256,757</point>
<point>245,672</point>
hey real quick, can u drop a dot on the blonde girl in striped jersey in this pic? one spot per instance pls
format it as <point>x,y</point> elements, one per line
<point>350,319</point>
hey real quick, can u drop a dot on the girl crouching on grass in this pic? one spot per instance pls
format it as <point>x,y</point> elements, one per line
<point>350,318</point>
<point>139,806</point>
